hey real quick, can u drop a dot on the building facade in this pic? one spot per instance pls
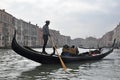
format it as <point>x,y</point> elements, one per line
<point>40,40</point>
<point>27,33</point>
<point>6,28</point>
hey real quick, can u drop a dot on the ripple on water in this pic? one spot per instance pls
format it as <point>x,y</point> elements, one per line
<point>15,67</point>
<point>12,65</point>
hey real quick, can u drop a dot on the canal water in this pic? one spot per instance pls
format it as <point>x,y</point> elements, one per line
<point>16,67</point>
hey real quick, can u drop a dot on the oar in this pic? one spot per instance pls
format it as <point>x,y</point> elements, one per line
<point>62,63</point>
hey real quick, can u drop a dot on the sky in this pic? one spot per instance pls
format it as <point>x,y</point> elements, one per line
<point>74,18</point>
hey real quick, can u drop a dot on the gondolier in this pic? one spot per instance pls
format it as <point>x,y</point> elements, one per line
<point>46,34</point>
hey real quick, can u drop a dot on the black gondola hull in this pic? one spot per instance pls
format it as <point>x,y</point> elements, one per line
<point>47,59</point>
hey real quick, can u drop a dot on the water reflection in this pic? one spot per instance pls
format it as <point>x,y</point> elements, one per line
<point>55,72</point>
<point>39,72</point>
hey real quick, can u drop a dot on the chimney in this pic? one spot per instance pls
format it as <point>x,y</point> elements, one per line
<point>29,22</point>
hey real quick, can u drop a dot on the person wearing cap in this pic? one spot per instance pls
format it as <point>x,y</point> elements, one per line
<point>46,34</point>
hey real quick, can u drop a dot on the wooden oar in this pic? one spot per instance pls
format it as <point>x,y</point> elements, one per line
<point>62,63</point>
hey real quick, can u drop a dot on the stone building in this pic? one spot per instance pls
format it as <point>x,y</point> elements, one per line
<point>6,28</point>
<point>117,35</point>
<point>40,39</point>
<point>91,42</point>
<point>107,39</point>
<point>78,42</point>
<point>33,35</point>
<point>19,29</point>
<point>27,33</point>
<point>64,40</point>
<point>55,37</point>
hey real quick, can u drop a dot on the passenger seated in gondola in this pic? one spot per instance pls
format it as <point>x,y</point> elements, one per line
<point>77,51</point>
<point>69,51</point>
<point>92,53</point>
<point>95,52</point>
<point>73,50</point>
<point>65,50</point>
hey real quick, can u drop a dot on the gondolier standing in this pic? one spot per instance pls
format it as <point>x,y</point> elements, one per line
<point>46,34</point>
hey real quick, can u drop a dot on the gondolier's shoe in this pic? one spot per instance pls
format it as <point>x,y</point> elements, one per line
<point>44,52</point>
<point>52,54</point>
<point>53,51</point>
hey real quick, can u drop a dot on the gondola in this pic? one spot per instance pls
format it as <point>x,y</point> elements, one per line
<point>48,59</point>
